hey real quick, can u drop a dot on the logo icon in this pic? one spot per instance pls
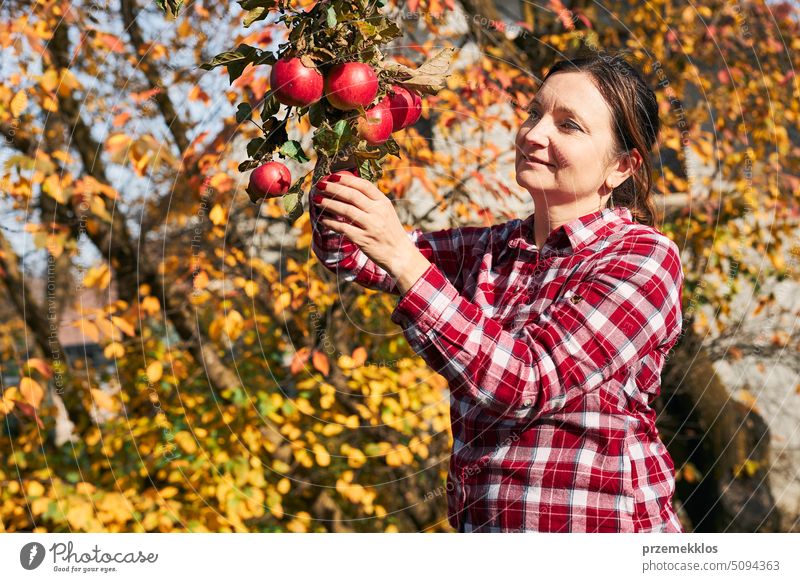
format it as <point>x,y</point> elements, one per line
<point>31,555</point>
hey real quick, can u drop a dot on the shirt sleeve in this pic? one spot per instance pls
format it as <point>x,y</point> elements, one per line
<point>629,304</point>
<point>451,250</point>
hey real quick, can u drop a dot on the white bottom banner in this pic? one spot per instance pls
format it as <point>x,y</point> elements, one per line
<point>389,557</point>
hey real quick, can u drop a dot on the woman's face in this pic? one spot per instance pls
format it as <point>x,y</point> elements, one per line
<point>575,145</point>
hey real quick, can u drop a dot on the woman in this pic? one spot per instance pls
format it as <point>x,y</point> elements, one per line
<point>551,331</point>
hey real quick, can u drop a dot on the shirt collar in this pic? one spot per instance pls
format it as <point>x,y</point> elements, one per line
<point>574,235</point>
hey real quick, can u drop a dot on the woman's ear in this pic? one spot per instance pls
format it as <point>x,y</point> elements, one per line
<point>623,168</point>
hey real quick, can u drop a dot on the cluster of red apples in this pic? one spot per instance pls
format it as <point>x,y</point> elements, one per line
<point>346,86</point>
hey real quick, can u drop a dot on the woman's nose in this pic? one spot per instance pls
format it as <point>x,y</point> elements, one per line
<point>537,134</point>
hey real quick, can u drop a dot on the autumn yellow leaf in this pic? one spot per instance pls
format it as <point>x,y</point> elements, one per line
<point>332,429</point>
<point>123,326</point>
<point>356,458</point>
<point>104,400</point>
<point>114,350</point>
<point>154,371</point>
<point>200,280</point>
<point>393,459</point>
<point>106,328</point>
<point>168,492</point>
<point>150,305</point>
<point>99,276</point>
<point>98,207</point>
<point>299,360</point>
<point>34,489</point>
<point>320,362</point>
<point>41,366</point>
<point>284,485</point>
<point>52,187</point>
<point>359,356</point>
<point>80,515</point>
<point>121,118</point>
<point>326,401</point>
<point>283,301</point>
<point>186,441</point>
<point>276,509</point>
<point>111,42</point>
<point>19,103</point>
<point>217,215</point>
<point>7,401</point>
<point>234,324</point>
<point>250,288</point>
<point>31,391</point>
<point>321,455</point>
<point>68,83</point>
<point>84,488</point>
<point>221,182</point>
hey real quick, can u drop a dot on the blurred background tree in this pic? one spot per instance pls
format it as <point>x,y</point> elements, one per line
<point>174,358</point>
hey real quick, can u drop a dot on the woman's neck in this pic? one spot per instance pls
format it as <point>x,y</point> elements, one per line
<point>553,217</point>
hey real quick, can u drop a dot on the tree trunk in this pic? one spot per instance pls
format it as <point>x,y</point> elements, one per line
<point>44,334</point>
<point>717,435</point>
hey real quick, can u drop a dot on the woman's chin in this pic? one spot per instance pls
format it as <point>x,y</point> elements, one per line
<point>531,182</point>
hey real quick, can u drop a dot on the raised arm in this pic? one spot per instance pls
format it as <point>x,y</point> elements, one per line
<point>451,250</point>
<point>628,306</point>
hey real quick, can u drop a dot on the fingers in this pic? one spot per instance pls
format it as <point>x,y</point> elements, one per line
<point>344,193</point>
<point>348,229</point>
<point>363,186</point>
<point>343,209</point>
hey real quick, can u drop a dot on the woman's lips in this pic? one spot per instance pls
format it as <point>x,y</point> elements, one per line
<point>534,161</point>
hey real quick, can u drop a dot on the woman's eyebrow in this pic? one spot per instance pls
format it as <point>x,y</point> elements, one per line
<point>561,108</point>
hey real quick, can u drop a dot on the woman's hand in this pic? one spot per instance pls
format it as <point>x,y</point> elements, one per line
<point>374,225</point>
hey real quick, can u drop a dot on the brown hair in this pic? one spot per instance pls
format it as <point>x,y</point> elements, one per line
<point>634,111</point>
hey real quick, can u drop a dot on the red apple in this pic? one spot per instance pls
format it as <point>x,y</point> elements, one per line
<point>270,180</point>
<point>376,126</point>
<point>294,83</point>
<point>349,85</point>
<point>352,172</point>
<point>406,107</point>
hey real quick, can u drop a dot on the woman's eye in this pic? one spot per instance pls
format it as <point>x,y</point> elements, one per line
<point>569,124</point>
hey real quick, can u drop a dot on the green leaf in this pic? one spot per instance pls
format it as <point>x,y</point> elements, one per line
<point>253,4</point>
<point>391,147</point>
<point>293,205</point>
<point>293,149</point>
<point>235,60</point>
<point>331,140</point>
<point>316,113</point>
<point>366,169</point>
<point>390,32</point>
<point>365,28</point>
<point>331,17</point>
<point>276,133</point>
<point>254,145</point>
<point>271,107</point>
<point>248,165</point>
<point>243,112</point>
<point>255,15</point>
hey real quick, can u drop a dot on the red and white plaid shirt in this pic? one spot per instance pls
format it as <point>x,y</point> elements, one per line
<point>553,359</point>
